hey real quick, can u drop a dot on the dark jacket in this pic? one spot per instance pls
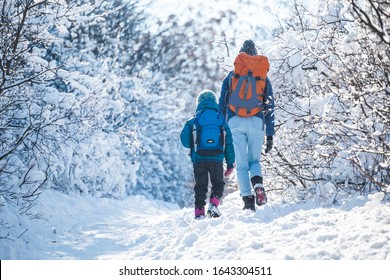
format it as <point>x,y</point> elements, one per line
<point>268,117</point>
<point>187,141</point>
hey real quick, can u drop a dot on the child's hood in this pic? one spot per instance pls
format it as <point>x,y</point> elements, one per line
<point>206,100</point>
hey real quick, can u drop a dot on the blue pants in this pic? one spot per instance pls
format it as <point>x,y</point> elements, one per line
<point>248,138</point>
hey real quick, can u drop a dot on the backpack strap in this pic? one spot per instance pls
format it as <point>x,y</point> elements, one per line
<point>195,134</point>
<point>248,82</point>
<point>222,135</point>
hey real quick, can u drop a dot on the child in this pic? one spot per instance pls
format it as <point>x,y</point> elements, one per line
<point>209,139</point>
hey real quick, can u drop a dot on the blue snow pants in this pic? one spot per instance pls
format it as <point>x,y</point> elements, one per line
<point>248,138</point>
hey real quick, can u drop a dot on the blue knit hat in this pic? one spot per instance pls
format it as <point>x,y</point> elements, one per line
<point>249,47</point>
<point>206,95</point>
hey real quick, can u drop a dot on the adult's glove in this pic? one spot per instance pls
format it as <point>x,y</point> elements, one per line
<point>269,144</point>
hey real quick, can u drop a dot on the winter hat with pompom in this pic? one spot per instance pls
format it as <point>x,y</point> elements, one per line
<point>249,47</point>
<point>206,95</point>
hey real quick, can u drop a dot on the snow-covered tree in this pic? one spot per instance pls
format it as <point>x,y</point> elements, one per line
<point>93,99</point>
<point>333,100</point>
<point>144,81</point>
<point>37,116</point>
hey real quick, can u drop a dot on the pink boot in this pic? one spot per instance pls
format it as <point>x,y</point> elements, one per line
<point>199,213</point>
<point>213,211</point>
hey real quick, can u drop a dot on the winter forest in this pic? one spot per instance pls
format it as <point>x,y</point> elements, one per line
<point>94,94</point>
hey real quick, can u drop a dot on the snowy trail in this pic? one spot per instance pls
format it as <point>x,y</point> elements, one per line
<point>90,228</point>
<point>273,233</point>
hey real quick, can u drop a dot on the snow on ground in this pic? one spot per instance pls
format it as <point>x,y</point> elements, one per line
<point>86,228</point>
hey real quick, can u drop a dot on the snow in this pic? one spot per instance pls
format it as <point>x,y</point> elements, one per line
<point>87,227</point>
<point>107,233</point>
<point>75,227</point>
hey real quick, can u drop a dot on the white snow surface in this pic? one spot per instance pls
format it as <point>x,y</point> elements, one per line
<point>87,228</point>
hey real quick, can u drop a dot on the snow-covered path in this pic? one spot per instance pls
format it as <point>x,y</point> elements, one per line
<point>271,233</point>
<point>76,227</point>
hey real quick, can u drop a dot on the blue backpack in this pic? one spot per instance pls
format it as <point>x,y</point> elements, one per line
<point>208,133</point>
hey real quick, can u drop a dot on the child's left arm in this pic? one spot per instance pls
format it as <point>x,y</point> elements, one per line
<point>186,136</point>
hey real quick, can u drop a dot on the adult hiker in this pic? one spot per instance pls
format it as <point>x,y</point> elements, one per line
<point>247,102</point>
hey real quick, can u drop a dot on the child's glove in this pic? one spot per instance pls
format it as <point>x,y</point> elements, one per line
<point>229,171</point>
<point>269,144</point>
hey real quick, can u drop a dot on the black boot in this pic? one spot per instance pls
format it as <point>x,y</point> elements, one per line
<point>249,202</point>
<point>257,183</point>
<point>256,180</point>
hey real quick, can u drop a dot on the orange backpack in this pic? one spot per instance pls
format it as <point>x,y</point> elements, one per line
<point>247,84</point>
